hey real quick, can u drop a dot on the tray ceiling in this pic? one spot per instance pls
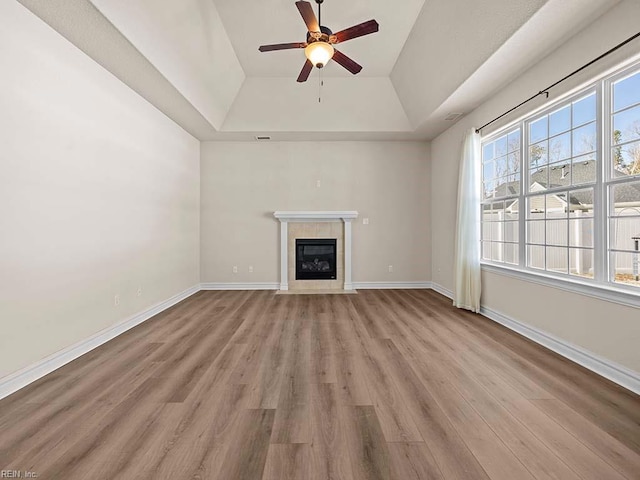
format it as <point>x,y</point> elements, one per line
<point>198,60</point>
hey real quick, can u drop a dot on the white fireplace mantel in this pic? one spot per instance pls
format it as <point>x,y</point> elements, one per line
<point>314,216</point>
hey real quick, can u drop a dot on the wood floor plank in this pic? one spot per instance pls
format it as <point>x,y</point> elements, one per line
<point>368,450</point>
<point>452,454</point>
<point>352,384</point>
<point>266,386</point>
<point>412,461</point>
<point>323,360</point>
<point>392,384</point>
<point>570,450</point>
<point>196,447</point>
<point>287,462</point>
<point>247,452</point>
<point>621,423</point>
<point>328,453</point>
<point>395,420</point>
<point>292,420</point>
<point>604,445</point>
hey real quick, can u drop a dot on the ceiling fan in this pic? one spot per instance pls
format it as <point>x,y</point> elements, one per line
<point>320,41</point>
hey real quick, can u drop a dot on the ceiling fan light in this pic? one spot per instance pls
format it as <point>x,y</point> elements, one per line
<point>319,53</point>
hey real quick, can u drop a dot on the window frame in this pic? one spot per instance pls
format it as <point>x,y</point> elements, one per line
<point>602,284</point>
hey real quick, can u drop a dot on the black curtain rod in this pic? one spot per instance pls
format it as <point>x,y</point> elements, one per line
<point>545,91</point>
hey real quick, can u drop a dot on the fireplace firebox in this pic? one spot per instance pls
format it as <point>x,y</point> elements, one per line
<point>316,259</point>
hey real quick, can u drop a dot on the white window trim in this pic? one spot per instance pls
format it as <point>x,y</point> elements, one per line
<point>600,287</point>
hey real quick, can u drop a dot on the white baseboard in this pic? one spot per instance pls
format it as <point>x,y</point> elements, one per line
<point>276,286</point>
<point>240,286</point>
<point>390,285</point>
<point>17,380</point>
<point>603,367</point>
<point>441,290</point>
<point>606,368</point>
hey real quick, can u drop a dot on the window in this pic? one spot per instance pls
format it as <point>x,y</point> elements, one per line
<point>575,167</point>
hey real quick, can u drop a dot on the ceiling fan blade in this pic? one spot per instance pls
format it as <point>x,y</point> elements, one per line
<point>309,17</point>
<point>281,46</point>
<point>346,62</point>
<point>357,31</point>
<point>306,71</point>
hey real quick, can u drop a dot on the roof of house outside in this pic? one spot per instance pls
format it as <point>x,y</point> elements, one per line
<point>569,174</point>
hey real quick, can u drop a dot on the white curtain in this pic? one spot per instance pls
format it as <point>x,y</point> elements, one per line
<point>467,247</point>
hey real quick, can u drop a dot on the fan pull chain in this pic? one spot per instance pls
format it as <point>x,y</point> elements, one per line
<point>320,85</point>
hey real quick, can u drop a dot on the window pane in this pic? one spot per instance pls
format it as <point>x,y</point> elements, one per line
<point>581,202</point>
<point>496,252</point>
<point>513,162</point>
<point>538,154</point>
<point>581,232</point>
<point>556,232</point>
<point>536,207</point>
<point>535,256</point>
<point>488,170</point>
<point>507,186</point>
<point>488,189</point>
<point>497,210</point>
<point>511,211</point>
<point>496,231</point>
<point>501,146</point>
<point>511,253</point>
<point>624,232</point>
<point>501,166</point>
<point>559,147</point>
<point>626,92</point>
<point>583,169</point>
<point>626,198</point>
<point>581,262</point>
<point>538,130</point>
<point>511,232</point>
<point>560,120</point>
<point>626,125</point>
<point>513,141</point>
<point>584,139</point>
<point>535,231</point>
<point>626,160</point>
<point>557,259</point>
<point>486,232</point>
<point>625,268</point>
<point>538,179</point>
<point>556,205</point>
<point>584,110</point>
<point>487,151</point>
<point>486,250</point>
<point>560,174</point>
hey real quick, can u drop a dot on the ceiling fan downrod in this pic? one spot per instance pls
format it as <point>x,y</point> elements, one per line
<point>319,2</point>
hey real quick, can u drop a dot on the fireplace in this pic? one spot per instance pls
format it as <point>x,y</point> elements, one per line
<point>316,259</point>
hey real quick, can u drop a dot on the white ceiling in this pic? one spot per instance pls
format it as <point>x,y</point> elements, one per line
<point>198,60</point>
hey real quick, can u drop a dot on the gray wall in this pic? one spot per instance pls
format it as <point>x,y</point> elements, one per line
<point>244,183</point>
<point>99,195</point>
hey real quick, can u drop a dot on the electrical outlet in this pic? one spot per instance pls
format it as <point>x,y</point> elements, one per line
<point>139,292</point>
<point>365,221</point>
<point>116,299</point>
<point>390,268</point>
<point>250,268</point>
<point>235,269</point>
<point>318,183</point>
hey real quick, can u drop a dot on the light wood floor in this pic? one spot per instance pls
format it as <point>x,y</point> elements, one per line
<point>379,385</point>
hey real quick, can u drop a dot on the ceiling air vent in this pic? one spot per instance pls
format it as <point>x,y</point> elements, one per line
<point>453,117</point>
<point>261,138</point>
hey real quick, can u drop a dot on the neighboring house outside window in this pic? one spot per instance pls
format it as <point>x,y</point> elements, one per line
<point>575,167</point>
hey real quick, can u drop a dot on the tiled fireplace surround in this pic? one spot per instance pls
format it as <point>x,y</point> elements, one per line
<point>315,224</point>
